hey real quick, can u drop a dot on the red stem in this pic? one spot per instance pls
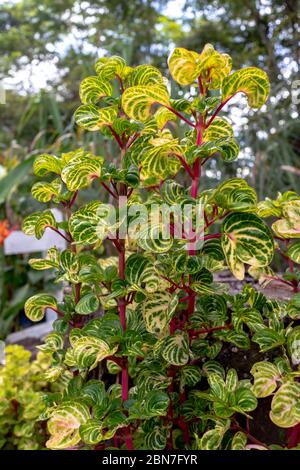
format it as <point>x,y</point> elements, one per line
<point>218,110</point>
<point>293,436</point>
<point>133,139</point>
<point>109,190</point>
<point>209,330</point>
<point>73,198</point>
<point>250,437</point>
<point>190,123</point>
<point>213,235</point>
<point>184,164</point>
<point>171,282</point>
<point>117,138</point>
<point>201,89</point>
<point>274,278</point>
<point>59,233</point>
<point>196,177</point>
<point>183,425</point>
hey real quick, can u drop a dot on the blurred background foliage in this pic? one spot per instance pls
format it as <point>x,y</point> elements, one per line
<point>48,46</point>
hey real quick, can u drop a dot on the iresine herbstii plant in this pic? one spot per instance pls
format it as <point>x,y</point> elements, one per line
<point>143,332</point>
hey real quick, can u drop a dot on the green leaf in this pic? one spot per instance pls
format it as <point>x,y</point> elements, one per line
<point>138,100</point>
<point>156,439</point>
<point>293,344</point>
<point>91,432</point>
<point>157,312</point>
<point>212,439</point>
<point>64,424</point>
<point>36,223</point>
<point>246,239</point>
<point>293,307</point>
<point>265,376</point>
<point>83,224</point>
<point>155,403</point>
<point>109,67</point>
<point>285,406</point>
<point>185,66</point>
<point>268,339</point>
<point>293,252</point>
<point>251,81</point>
<point>44,192</point>
<point>35,307</point>
<point>218,129</point>
<point>92,89</point>
<point>239,441</point>
<point>176,349</point>
<point>81,170</point>
<point>89,350</point>
<point>50,261</point>
<point>89,303</point>
<point>45,163</point>
<point>91,118</point>
<point>235,195</point>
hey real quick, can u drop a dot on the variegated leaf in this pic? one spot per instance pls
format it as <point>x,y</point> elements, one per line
<point>158,161</point>
<point>50,261</point>
<point>212,439</point>
<point>239,441</point>
<point>46,163</point>
<point>285,406</point>
<point>235,195</point>
<point>81,170</point>
<point>293,307</point>
<point>163,116</point>
<point>176,349</point>
<point>36,223</point>
<point>92,89</point>
<point>138,100</point>
<point>246,239</point>
<point>35,307</point>
<point>44,192</point>
<point>64,423</point>
<point>91,118</point>
<point>145,75</point>
<point>266,375</point>
<point>157,312</point>
<point>156,439</point>
<point>183,65</point>
<point>91,431</point>
<point>294,252</point>
<point>86,224</point>
<point>218,129</point>
<point>89,350</point>
<point>89,303</point>
<point>252,81</point>
<point>109,67</point>
<point>293,345</point>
